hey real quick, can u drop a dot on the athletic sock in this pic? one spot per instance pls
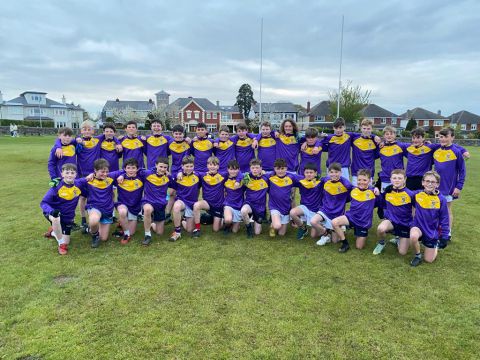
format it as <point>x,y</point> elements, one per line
<point>84,220</point>
<point>148,233</point>
<point>345,242</point>
<point>178,229</point>
<point>61,241</point>
<point>418,255</point>
<point>197,226</point>
<point>126,233</point>
<point>381,242</point>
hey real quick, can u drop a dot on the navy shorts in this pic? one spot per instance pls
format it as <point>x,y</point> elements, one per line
<point>158,214</point>
<point>259,216</point>
<point>401,230</point>
<point>429,243</point>
<point>216,212</point>
<point>358,231</point>
<point>66,225</point>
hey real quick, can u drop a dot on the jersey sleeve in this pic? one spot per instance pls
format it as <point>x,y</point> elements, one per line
<point>47,200</point>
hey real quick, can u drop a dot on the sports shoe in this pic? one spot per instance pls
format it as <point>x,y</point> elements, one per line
<point>227,230</point>
<point>250,232</point>
<point>118,233</point>
<point>85,229</point>
<point>125,240</point>
<point>271,232</point>
<point>394,240</point>
<point>344,248</point>
<point>416,261</point>
<point>75,227</point>
<point>301,232</point>
<point>63,249</point>
<point>325,239</point>
<point>95,241</point>
<point>175,236</point>
<point>147,240</point>
<point>378,249</point>
<point>196,233</point>
<point>48,233</point>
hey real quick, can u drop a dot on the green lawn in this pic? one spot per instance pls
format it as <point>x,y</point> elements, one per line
<point>222,297</point>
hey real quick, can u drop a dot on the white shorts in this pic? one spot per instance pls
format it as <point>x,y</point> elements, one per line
<point>284,219</point>
<point>187,212</point>
<point>236,214</point>
<point>327,222</point>
<point>345,173</point>
<point>384,186</point>
<point>307,214</point>
<point>132,217</point>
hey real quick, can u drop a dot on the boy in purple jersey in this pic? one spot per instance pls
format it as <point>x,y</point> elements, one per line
<point>430,223</point>
<point>288,144</point>
<point>450,166</point>
<point>133,147</point>
<point>265,143</point>
<point>224,148</point>
<point>310,201</point>
<point>156,183</point>
<point>244,151</point>
<point>130,190</point>
<point>202,148</point>
<point>256,188</point>
<point>213,195</point>
<point>156,144</point>
<point>335,192</point>
<point>100,201</point>
<point>391,155</point>
<point>280,185</point>
<point>110,146</point>
<point>59,204</point>
<point>187,186</point>
<point>364,150</point>
<point>311,151</point>
<point>363,199</point>
<point>68,155</point>
<point>233,199</point>
<point>398,204</point>
<point>338,146</point>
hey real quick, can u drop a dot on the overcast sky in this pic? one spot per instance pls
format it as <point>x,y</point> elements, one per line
<point>408,53</point>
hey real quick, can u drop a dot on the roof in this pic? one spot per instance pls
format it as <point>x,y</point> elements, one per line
<point>134,105</point>
<point>33,92</point>
<point>230,108</point>
<point>421,114</point>
<point>373,111</point>
<point>465,117</point>
<point>204,103</point>
<point>20,100</point>
<point>161,92</point>
<point>279,107</point>
<point>321,109</point>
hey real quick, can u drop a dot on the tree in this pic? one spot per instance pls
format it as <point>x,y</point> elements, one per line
<point>431,132</point>
<point>352,100</point>
<point>245,101</point>
<point>412,124</point>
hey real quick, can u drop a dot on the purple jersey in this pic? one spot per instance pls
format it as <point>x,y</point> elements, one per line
<point>431,215</point>
<point>338,147</point>
<point>362,203</point>
<point>55,164</point>
<point>90,151</point>
<point>233,197</point>
<point>133,148</point>
<point>391,158</point>
<point>178,150</point>
<point>130,193</point>
<point>213,191</point>
<point>288,148</point>
<point>63,197</point>
<point>155,146</point>
<point>279,191</point>
<point>256,192</point>
<point>109,152</point>
<point>267,147</point>
<point>307,156</point>
<point>398,206</point>
<point>334,196</point>
<point>188,189</point>
<point>244,151</point>
<point>155,188</point>
<point>364,153</point>
<point>225,151</point>
<point>310,193</point>
<point>202,149</point>
<point>450,165</point>
<point>100,193</point>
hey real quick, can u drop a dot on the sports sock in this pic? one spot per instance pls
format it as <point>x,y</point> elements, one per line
<point>84,220</point>
<point>197,226</point>
<point>148,233</point>
<point>345,242</point>
<point>126,232</point>
<point>382,242</point>
<point>418,255</point>
<point>60,241</point>
<point>178,229</point>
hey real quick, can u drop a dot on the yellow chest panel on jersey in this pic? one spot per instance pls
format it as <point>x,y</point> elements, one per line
<point>224,145</point>
<point>108,145</point>
<point>179,147</point>
<point>90,144</point>
<point>244,142</point>
<point>68,150</point>
<point>364,144</point>
<point>309,150</point>
<point>189,180</point>
<point>101,184</point>
<point>287,140</point>
<point>156,141</point>
<point>334,188</point>
<point>202,145</point>
<point>213,179</point>
<point>281,182</point>
<point>230,184</point>
<point>391,150</point>
<point>309,184</point>
<point>132,144</point>
<point>339,140</point>
<point>131,184</point>
<point>398,198</point>
<point>427,201</point>
<point>267,142</point>
<point>362,195</point>
<point>444,155</point>
<point>158,180</point>
<point>69,193</point>
<point>418,151</point>
<point>257,184</point>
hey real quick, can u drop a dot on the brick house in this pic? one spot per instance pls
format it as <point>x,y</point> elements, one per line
<point>425,119</point>
<point>381,117</point>
<point>190,111</point>
<point>466,121</point>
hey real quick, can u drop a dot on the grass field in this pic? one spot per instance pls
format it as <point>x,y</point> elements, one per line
<point>226,297</point>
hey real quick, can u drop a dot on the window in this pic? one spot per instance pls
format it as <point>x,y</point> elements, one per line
<point>464,127</point>
<point>473,127</point>
<point>211,127</point>
<point>60,124</point>
<point>214,115</point>
<point>438,123</point>
<point>209,115</point>
<point>197,114</point>
<point>189,114</point>
<point>383,121</point>
<point>226,116</point>
<point>394,121</point>
<point>74,125</point>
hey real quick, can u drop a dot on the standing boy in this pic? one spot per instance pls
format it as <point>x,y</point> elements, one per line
<point>132,146</point>
<point>224,148</point>
<point>202,148</point>
<point>156,144</point>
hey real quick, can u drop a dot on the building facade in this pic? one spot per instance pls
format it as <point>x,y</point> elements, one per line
<point>426,119</point>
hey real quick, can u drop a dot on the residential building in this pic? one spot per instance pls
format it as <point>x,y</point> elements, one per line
<point>122,111</point>
<point>276,112</point>
<point>230,116</point>
<point>465,121</point>
<point>425,119</point>
<point>35,106</point>
<point>191,111</point>
<point>381,117</point>
<point>320,115</point>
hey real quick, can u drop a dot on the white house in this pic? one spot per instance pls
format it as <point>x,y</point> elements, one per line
<point>35,106</point>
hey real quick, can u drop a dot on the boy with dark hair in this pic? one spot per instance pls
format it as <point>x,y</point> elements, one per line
<point>397,203</point>
<point>202,148</point>
<point>256,188</point>
<point>187,185</point>
<point>55,163</point>
<point>431,220</point>
<point>224,148</point>
<point>178,148</point>
<point>363,199</point>
<point>338,146</point>
<point>110,146</point>
<point>156,144</point>
<point>244,151</point>
<point>265,143</point>
<point>156,183</point>
<point>133,147</point>
<point>100,201</point>
<point>312,151</point>
<point>59,204</point>
<point>391,155</point>
<point>233,199</point>
<point>364,150</point>
<point>335,192</point>
<point>310,200</point>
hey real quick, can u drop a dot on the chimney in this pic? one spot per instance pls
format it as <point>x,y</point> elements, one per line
<point>218,103</point>
<point>117,100</point>
<point>439,112</point>
<point>308,107</point>
<point>64,101</point>
<point>150,101</point>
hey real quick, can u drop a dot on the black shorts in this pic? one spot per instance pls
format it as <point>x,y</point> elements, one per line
<point>401,230</point>
<point>66,226</point>
<point>216,212</point>
<point>429,243</point>
<point>358,231</point>
<point>158,214</point>
<point>414,183</point>
<point>259,216</point>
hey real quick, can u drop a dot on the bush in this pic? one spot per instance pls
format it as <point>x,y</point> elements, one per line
<point>28,123</point>
<point>406,134</point>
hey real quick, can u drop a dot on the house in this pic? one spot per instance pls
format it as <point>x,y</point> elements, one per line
<point>320,115</point>
<point>276,112</point>
<point>380,117</point>
<point>191,111</point>
<point>231,116</point>
<point>35,106</point>
<point>122,111</point>
<point>466,121</point>
<point>425,119</point>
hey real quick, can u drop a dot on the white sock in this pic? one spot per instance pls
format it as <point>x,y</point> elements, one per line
<point>61,241</point>
<point>126,232</point>
<point>148,233</point>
